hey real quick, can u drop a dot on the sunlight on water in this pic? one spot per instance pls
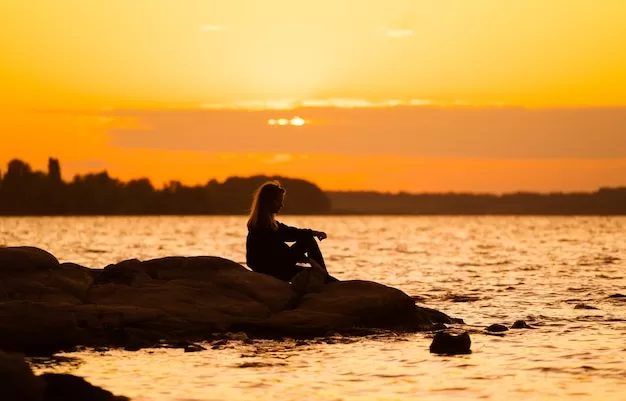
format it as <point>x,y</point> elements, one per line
<point>483,269</point>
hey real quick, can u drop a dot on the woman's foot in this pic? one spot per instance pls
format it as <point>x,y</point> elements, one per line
<point>314,264</point>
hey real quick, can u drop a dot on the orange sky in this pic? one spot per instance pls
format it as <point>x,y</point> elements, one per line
<point>411,95</point>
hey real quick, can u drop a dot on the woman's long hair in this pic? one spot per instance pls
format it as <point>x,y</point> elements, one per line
<point>261,214</point>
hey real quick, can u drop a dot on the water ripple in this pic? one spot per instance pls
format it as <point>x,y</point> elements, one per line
<point>485,270</point>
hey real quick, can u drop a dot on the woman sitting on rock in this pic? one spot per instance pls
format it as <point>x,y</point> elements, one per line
<point>267,250</point>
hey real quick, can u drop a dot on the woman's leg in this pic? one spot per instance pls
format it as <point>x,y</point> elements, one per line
<point>315,265</point>
<point>309,246</point>
<point>312,250</point>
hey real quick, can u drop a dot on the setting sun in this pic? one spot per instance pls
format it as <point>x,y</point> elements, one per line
<point>297,121</point>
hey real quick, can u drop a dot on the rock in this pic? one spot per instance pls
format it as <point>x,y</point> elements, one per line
<point>439,326</point>
<point>617,296</point>
<point>461,298</point>
<point>436,316</point>
<point>448,344</point>
<point>128,272</point>
<point>240,336</point>
<point>37,328</point>
<point>310,279</point>
<point>584,306</point>
<point>18,383</point>
<point>369,304</point>
<point>520,324</point>
<point>47,307</point>
<point>20,259</point>
<point>65,387</point>
<point>298,323</point>
<point>73,279</point>
<point>497,328</point>
<point>194,348</point>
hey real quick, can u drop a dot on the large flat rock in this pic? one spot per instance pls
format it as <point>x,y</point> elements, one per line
<point>46,306</point>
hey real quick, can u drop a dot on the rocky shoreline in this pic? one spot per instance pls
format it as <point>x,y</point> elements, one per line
<point>47,306</point>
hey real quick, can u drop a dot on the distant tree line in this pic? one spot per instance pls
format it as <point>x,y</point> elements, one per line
<point>27,192</point>
<point>605,201</point>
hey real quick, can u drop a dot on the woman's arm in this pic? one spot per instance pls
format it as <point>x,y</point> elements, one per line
<point>319,234</point>
<point>290,234</point>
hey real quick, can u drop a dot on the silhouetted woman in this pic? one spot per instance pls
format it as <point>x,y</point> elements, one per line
<point>267,250</point>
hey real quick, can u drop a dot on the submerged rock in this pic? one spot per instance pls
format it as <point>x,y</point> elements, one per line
<point>46,306</point>
<point>584,306</point>
<point>497,328</point>
<point>520,324</point>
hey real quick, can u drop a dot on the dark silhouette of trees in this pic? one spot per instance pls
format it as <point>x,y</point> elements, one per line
<point>27,192</point>
<point>54,170</point>
<point>605,201</point>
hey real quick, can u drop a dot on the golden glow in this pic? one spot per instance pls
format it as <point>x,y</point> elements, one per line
<point>533,52</point>
<point>297,121</point>
<point>284,55</point>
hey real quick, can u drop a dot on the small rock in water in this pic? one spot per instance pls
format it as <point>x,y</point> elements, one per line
<point>439,326</point>
<point>219,344</point>
<point>194,348</point>
<point>463,298</point>
<point>497,328</point>
<point>448,344</point>
<point>584,306</point>
<point>239,336</point>
<point>520,324</point>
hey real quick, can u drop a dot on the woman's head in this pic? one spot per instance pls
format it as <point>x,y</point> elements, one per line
<point>268,200</point>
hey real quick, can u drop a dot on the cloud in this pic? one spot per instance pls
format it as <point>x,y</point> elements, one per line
<point>212,28</point>
<point>279,158</point>
<point>401,28</point>
<point>290,104</point>
<point>399,33</point>
<point>425,131</point>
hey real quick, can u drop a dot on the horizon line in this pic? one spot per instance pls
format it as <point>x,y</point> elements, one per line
<point>279,177</point>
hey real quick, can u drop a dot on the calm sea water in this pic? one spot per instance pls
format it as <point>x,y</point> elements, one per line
<point>504,268</point>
